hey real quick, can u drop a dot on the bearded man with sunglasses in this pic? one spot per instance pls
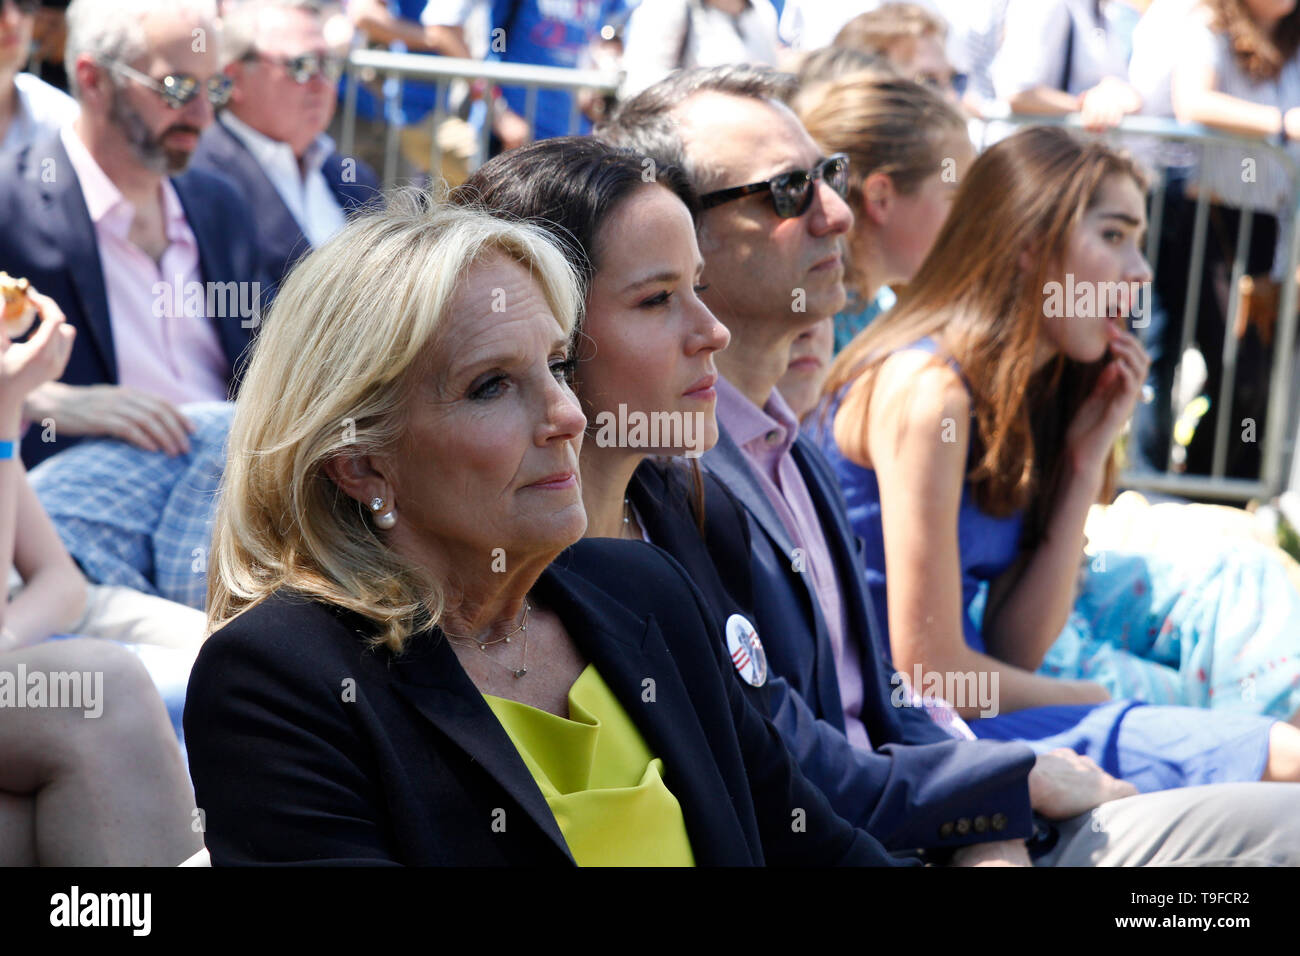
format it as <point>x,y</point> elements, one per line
<point>155,267</point>
<point>270,139</point>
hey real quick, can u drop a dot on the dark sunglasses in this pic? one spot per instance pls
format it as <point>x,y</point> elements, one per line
<point>305,67</point>
<point>792,192</point>
<point>25,7</point>
<point>177,90</point>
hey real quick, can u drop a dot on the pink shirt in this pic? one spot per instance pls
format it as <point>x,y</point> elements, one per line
<point>765,436</point>
<point>163,341</point>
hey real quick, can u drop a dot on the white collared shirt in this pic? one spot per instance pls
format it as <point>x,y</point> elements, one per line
<point>308,196</point>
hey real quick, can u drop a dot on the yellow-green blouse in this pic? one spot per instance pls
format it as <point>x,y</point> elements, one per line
<point>599,778</point>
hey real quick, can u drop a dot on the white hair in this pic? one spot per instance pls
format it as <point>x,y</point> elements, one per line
<point>115,29</point>
<point>241,23</point>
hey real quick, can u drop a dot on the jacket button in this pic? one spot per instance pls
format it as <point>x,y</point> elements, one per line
<point>981,824</point>
<point>999,821</point>
<point>945,831</point>
<point>963,826</point>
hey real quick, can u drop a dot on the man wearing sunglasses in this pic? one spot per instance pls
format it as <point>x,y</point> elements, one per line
<point>101,218</point>
<point>270,139</point>
<point>773,216</point>
<point>29,107</point>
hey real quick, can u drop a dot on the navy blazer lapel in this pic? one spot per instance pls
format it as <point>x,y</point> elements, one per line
<point>66,222</point>
<point>217,266</point>
<point>430,677</point>
<point>279,234</point>
<point>353,195</point>
<point>842,541</point>
<point>729,463</point>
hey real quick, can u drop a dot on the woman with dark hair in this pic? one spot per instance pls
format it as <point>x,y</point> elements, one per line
<point>644,351</point>
<point>972,428</point>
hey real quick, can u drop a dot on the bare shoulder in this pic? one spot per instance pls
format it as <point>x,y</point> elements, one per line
<point>912,396</point>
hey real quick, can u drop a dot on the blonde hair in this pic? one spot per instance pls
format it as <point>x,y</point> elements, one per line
<point>331,374</point>
<point>890,126</point>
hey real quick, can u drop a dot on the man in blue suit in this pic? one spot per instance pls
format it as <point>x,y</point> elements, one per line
<point>155,267</point>
<point>771,230</point>
<point>270,140</point>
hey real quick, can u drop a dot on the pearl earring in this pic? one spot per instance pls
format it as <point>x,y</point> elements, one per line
<point>383,521</point>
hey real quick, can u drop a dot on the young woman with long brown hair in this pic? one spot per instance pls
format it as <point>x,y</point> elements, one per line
<point>973,427</point>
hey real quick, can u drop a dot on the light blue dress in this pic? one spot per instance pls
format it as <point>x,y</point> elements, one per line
<point>1153,747</point>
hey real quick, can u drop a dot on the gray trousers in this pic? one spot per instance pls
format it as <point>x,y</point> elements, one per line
<point>1224,824</point>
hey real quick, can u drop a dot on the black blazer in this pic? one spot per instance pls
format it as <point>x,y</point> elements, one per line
<point>937,796</point>
<point>49,238</point>
<point>305,748</point>
<point>903,794</point>
<point>279,237</point>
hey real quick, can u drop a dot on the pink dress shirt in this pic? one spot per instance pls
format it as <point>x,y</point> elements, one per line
<point>765,436</point>
<point>163,340</point>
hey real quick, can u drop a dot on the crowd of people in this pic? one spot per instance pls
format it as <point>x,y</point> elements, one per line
<point>705,485</point>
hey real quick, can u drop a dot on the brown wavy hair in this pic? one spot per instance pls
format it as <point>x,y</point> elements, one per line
<point>1029,191</point>
<point>1260,56</point>
<point>891,126</point>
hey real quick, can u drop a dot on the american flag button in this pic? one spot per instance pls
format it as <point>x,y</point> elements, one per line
<point>746,651</point>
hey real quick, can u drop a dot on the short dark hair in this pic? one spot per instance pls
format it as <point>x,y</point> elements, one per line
<point>644,123</point>
<point>570,186</point>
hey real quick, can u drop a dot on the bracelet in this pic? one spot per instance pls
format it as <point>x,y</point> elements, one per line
<point>8,450</point>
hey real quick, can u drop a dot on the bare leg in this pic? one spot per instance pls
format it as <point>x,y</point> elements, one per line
<point>1283,753</point>
<point>106,791</point>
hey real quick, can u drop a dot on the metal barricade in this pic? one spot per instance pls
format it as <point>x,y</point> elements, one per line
<point>1280,439</point>
<point>441,71</point>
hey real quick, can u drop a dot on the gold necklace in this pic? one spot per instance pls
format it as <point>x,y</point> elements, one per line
<point>484,645</point>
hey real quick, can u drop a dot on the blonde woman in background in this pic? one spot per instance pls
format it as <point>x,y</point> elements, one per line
<point>908,151</point>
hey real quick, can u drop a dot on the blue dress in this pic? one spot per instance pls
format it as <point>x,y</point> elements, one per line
<point>1152,747</point>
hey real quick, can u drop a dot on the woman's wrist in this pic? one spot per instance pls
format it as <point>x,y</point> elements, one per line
<point>11,421</point>
<point>1087,463</point>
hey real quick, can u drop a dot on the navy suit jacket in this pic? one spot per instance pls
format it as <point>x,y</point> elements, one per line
<point>48,238</point>
<point>912,795</point>
<point>902,794</point>
<point>413,767</point>
<point>279,236</point>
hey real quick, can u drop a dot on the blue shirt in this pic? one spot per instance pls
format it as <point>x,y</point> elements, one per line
<point>140,519</point>
<point>544,33</point>
<point>417,99</point>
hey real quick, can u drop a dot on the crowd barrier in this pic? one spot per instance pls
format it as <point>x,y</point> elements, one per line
<point>1279,438</point>
<point>442,71</point>
<point>1280,467</point>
